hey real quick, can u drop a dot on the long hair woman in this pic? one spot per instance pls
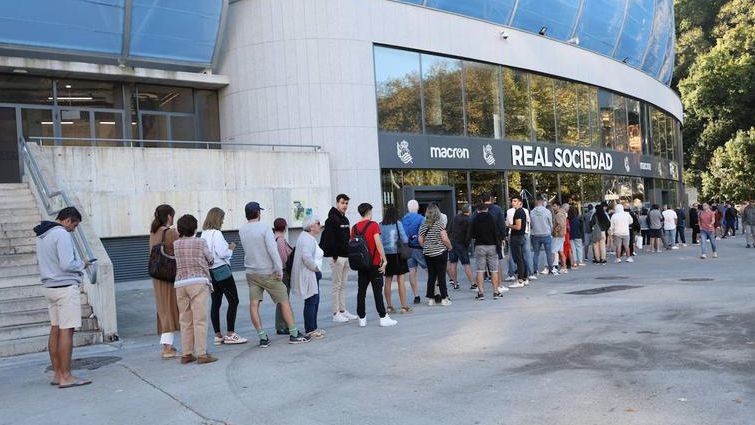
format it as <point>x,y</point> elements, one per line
<point>221,277</point>
<point>391,232</point>
<point>435,247</point>
<point>165,294</point>
<point>599,225</point>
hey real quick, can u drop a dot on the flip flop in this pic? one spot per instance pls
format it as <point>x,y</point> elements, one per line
<point>79,383</point>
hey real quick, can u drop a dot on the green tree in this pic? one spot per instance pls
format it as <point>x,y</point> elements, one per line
<point>732,169</point>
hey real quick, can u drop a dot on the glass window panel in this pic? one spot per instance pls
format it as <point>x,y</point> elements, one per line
<point>398,90</point>
<point>458,179</point>
<point>546,185</point>
<point>184,30</point>
<point>486,181</point>
<point>670,137</point>
<point>522,184</point>
<point>81,93</point>
<point>74,124</point>
<point>543,108</point>
<point>595,117</point>
<point>592,189</point>
<point>647,129</point>
<point>482,100</point>
<point>36,123</point>
<point>557,15</point>
<point>182,128</point>
<point>618,189</point>
<point>605,103</point>
<point>599,24</point>
<point>620,141</point>
<point>154,127</point>
<point>108,125</point>
<point>659,133</point>
<point>634,127</point>
<point>95,26</point>
<point>441,79</point>
<point>208,115</point>
<point>165,98</point>
<point>516,105</point>
<point>571,188</point>
<point>668,64</point>
<point>566,112</point>
<point>495,11</point>
<point>584,135</point>
<point>658,43</point>
<point>29,90</point>
<point>636,32</point>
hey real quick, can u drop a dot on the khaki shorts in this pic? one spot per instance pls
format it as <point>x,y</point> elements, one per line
<point>259,283</point>
<point>64,305</point>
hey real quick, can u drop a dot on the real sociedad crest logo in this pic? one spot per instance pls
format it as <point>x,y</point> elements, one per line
<point>487,154</point>
<point>403,152</point>
<point>626,164</point>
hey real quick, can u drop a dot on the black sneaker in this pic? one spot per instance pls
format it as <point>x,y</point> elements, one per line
<point>282,332</point>
<point>264,343</point>
<point>455,285</point>
<point>480,296</point>
<point>497,295</point>
<point>417,300</point>
<point>748,245</point>
<point>473,287</point>
<point>301,338</point>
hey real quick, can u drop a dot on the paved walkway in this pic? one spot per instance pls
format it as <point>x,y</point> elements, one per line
<point>666,352</point>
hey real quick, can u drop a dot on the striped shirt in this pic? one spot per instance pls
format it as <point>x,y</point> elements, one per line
<point>433,245</point>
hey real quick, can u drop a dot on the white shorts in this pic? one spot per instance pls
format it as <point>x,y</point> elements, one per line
<point>64,306</point>
<point>558,244</point>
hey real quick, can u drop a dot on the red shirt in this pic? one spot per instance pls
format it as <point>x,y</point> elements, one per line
<point>369,235</point>
<point>705,220</point>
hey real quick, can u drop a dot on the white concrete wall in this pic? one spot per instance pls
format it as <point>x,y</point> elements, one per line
<point>302,72</point>
<point>119,188</point>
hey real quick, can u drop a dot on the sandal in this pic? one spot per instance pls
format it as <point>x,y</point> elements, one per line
<point>391,309</point>
<point>405,310</point>
<point>77,383</point>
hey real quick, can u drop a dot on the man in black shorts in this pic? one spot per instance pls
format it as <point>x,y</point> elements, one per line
<point>460,253</point>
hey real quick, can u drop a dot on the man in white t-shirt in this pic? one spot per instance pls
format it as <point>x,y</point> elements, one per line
<point>669,226</point>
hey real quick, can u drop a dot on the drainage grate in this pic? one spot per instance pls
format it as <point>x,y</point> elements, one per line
<point>611,277</point>
<point>603,290</point>
<point>697,279</point>
<point>91,363</point>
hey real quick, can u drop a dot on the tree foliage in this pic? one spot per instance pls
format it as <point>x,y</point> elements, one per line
<point>715,75</point>
<point>732,169</point>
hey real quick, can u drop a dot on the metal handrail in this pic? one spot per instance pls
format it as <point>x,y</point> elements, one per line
<point>80,241</point>
<point>139,142</point>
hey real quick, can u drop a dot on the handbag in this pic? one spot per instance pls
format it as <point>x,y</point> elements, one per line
<point>219,274</point>
<point>161,265</point>
<point>404,250</point>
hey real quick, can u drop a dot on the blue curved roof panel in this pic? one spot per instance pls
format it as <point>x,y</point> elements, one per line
<point>639,33</point>
<point>183,32</point>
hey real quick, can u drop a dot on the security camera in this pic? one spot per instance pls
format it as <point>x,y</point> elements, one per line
<point>504,35</point>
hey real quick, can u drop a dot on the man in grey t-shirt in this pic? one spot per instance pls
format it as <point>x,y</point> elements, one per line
<point>655,223</point>
<point>264,272</point>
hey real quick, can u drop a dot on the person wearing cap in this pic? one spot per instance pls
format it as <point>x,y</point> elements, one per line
<point>264,271</point>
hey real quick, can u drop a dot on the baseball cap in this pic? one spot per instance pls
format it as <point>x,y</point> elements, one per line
<point>253,207</point>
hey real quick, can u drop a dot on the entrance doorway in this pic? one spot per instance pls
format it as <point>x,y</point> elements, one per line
<point>443,196</point>
<point>10,169</point>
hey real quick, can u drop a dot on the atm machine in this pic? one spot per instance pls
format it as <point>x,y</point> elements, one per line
<point>443,196</point>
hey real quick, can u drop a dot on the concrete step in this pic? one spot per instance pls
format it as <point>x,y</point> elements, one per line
<point>38,303</point>
<point>17,204</point>
<point>28,280</point>
<point>29,214</point>
<point>14,186</point>
<point>20,249</point>
<point>13,271</point>
<point>18,234</point>
<point>16,227</point>
<point>18,199</point>
<point>15,260</point>
<point>37,344</point>
<point>11,191</point>
<point>41,315</point>
<point>24,331</point>
<point>17,292</point>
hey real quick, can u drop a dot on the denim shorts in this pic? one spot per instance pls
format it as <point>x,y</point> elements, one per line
<point>557,245</point>
<point>417,259</point>
<point>459,253</point>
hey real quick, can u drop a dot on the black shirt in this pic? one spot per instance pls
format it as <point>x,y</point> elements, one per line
<point>483,229</point>
<point>459,229</point>
<point>519,215</point>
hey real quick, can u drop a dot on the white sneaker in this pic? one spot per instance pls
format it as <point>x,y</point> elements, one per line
<point>363,322</point>
<point>545,271</point>
<point>431,302</point>
<point>340,318</point>
<point>703,256</point>
<point>349,315</point>
<point>234,338</point>
<point>526,282</point>
<point>618,260</point>
<point>502,289</point>
<point>217,340</point>
<point>582,264</point>
<point>517,285</point>
<point>674,247</point>
<point>630,260</point>
<point>715,255</point>
<point>684,244</point>
<point>510,279</point>
<point>533,277</point>
<point>445,302</point>
<point>387,321</point>
<point>554,271</point>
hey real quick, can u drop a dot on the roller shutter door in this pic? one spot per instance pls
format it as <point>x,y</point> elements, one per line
<point>131,254</point>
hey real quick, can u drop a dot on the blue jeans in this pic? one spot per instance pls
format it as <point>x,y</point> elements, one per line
<point>417,259</point>
<point>670,237</point>
<point>705,234</point>
<point>527,251</point>
<point>546,243</point>
<point>311,306</point>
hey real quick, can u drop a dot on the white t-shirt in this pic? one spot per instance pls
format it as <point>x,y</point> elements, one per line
<point>669,219</point>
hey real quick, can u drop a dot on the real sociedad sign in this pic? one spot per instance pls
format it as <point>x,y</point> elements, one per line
<point>546,157</point>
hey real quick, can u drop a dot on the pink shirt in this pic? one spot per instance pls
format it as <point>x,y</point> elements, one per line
<point>706,220</point>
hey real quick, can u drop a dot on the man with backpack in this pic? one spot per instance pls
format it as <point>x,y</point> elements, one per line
<point>333,242</point>
<point>367,257</point>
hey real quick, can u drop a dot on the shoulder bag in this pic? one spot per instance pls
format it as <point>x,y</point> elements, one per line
<point>219,274</point>
<point>404,251</point>
<point>161,265</point>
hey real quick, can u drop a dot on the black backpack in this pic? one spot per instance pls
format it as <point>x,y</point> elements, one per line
<point>359,253</point>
